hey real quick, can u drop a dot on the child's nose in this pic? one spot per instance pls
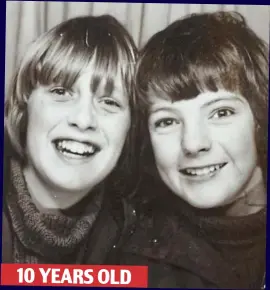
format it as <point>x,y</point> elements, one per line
<point>83,116</point>
<point>196,139</point>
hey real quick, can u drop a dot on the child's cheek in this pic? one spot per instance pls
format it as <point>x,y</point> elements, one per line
<point>167,149</point>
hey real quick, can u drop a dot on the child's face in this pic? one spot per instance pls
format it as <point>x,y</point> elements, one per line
<point>204,147</point>
<point>75,137</point>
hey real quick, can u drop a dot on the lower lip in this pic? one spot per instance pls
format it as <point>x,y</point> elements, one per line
<point>203,177</point>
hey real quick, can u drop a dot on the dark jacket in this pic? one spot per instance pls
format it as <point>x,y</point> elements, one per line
<point>181,254</point>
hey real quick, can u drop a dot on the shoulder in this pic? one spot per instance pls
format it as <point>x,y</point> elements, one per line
<point>6,240</point>
<point>161,242</point>
<point>169,243</point>
<point>164,275</point>
<point>6,226</point>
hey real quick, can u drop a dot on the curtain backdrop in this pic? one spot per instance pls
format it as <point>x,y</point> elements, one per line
<point>25,20</point>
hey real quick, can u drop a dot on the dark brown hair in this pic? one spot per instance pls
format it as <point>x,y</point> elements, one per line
<point>208,51</point>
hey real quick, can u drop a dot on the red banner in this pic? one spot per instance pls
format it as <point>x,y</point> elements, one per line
<point>74,275</point>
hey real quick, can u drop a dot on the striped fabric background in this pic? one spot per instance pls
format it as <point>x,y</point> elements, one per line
<point>25,20</point>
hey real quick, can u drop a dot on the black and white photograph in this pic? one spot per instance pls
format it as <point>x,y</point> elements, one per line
<point>136,134</point>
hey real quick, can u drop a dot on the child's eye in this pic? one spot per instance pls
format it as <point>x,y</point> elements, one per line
<point>111,102</point>
<point>165,122</point>
<point>110,105</point>
<point>221,113</point>
<point>58,91</point>
<point>61,94</point>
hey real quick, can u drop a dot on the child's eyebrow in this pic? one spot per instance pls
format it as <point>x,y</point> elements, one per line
<point>220,99</point>
<point>160,109</point>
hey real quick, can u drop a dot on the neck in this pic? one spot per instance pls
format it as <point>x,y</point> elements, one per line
<point>48,198</point>
<point>252,199</point>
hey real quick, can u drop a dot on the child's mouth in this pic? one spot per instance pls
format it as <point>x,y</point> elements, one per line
<point>75,149</point>
<point>202,171</point>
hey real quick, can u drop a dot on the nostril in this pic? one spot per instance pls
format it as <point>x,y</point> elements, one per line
<point>196,145</point>
<point>83,128</point>
<point>83,120</point>
<point>194,151</point>
<point>196,138</point>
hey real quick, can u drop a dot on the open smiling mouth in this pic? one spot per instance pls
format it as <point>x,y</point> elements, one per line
<point>202,171</point>
<point>75,149</point>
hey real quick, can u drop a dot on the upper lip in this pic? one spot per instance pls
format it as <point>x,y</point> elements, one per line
<point>86,141</point>
<point>202,166</point>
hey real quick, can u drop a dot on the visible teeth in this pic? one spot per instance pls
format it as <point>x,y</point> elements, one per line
<point>200,171</point>
<point>212,168</point>
<point>75,147</point>
<point>206,170</point>
<point>203,171</point>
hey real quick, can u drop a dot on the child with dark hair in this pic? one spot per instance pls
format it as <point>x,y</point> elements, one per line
<point>203,89</point>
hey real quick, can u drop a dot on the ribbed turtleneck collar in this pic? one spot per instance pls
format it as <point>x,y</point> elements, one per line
<point>46,237</point>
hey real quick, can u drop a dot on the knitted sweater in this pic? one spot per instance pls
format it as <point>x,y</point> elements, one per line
<point>46,238</point>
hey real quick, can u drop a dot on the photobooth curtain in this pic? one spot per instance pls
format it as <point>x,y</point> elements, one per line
<point>25,20</point>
